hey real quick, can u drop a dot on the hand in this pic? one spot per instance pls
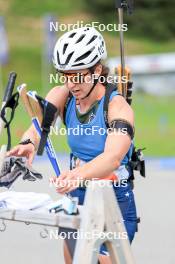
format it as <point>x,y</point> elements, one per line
<point>27,151</point>
<point>67,181</point>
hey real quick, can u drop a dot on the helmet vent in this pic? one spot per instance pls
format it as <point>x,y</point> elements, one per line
<point>94,59</point>
<point>58,58</point>
<point>85,55</point>
<point>91,40</point>
<point>80,38</point>
<point>69,57</point>
<point>72,35</point>
<point>64,48</point>
<point>78,64</point>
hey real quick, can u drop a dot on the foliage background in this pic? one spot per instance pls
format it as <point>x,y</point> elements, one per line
<point>151,30</point>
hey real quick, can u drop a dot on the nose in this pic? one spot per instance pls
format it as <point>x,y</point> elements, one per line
<point>70,85</point>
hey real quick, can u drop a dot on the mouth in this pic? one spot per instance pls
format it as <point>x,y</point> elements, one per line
<point>76,91</point>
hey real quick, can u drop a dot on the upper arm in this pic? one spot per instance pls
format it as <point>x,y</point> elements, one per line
<point>120,109</point>
<point>58,96</point>
<point>117,143</point>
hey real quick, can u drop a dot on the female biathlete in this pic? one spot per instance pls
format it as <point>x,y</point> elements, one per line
<point>80,102</point>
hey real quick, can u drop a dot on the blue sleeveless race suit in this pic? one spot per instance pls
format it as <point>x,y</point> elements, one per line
<point>86,147</point>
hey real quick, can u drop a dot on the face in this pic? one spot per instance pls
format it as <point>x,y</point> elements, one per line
<point>79,82</point>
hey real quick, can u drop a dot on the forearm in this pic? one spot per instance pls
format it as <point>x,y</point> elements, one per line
<point>100,167</point>
<point>104,164</point>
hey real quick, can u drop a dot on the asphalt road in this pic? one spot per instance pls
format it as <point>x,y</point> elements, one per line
<point>153,244</point>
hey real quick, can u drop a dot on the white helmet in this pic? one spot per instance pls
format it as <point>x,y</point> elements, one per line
<point>79,49</point>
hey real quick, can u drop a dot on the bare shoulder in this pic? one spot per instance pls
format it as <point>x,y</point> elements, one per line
<point>58,96</point>
<point>120,109</point>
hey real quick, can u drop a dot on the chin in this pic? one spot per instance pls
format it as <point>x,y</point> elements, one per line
<point>78,97</point>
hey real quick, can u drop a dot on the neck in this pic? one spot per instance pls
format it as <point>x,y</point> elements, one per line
<point>96,95</point>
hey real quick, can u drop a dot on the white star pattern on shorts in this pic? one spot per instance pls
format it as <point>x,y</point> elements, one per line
<point>127,194</point>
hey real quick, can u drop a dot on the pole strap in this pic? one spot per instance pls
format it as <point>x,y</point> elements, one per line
<point>12,103</point>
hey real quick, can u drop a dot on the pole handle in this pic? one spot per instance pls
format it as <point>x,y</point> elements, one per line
<point>10,86</point>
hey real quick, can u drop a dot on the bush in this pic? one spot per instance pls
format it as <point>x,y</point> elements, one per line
<point>154,19</point>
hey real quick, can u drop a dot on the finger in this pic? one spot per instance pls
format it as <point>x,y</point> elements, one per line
<point>64,175</point>
<point>67,186</point>
<point>60,183</point>
<point>12,151</point>
<point>20,151</point>
<point>66,189</point>
<point>30,159</point>
<point>62,190</point>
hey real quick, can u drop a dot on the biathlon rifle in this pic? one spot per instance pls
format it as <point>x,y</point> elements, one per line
<point>125,85</point>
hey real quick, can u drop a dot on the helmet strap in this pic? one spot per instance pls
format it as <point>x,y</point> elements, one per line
<point>95,83</point>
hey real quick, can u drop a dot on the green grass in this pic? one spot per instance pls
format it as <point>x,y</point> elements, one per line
<point>155,124</point>
<point>27,63</point>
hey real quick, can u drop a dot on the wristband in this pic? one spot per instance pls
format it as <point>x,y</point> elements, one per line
<point>26,142</point>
